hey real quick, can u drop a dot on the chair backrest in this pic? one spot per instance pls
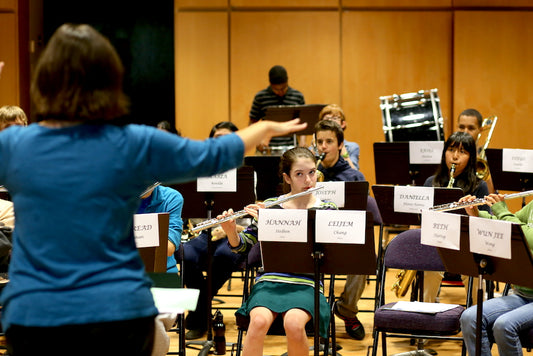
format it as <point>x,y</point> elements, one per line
<point>372,206</point>
<point>406,252</point>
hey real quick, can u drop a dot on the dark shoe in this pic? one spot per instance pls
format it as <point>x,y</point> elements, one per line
<point>194,334</point>
<point>353,326</point>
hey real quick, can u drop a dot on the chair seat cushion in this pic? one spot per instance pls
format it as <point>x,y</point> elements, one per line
<point>444,323</point>
<point>526,338</point>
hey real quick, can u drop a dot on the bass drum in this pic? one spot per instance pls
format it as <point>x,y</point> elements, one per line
<point>412,116</point>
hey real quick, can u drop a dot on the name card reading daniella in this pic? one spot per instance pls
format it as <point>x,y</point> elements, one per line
<point>282,225</point>
<point>412,199</point>
<point>441,229</point>
<point>340,226</point>
<point>222,182</point>
<point>332,191</point>
<point>146,230</point>
<point>425,152</point>
<point>515,160</point>
<point>490,237</point>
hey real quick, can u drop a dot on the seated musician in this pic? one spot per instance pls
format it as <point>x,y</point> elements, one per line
<point>288,294</point>
<point>504,317</point>
<point>12,115</point>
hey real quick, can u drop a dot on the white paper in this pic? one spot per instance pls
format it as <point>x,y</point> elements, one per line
<point>420,307</point>
<point>222,182</point>
<point>282,225</point>
<point>441,229</point>
<point>425,152</point>
<point>332,191</point>
<point>515,160</point>
<point>412,199</point>
<point>175,300</point>
<point>340,226</point>
<point>146,230</point>
<point>490,237</point>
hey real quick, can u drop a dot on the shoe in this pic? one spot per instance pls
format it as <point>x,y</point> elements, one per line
<point>194,334</point>
<point>353,326</point>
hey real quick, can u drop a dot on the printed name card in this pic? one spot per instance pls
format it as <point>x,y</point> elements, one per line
<point>441,229</point>
<point>340,226</point>
<point>490,237</point>
<point>332,191</point>
<point>425,152</point>
<point>515,160</point>
<point>282,225</point>
<point>412,199</point>
<point>222,182</point>
<point>146,230</point>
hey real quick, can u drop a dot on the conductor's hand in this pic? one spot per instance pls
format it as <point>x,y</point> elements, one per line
<point>470,210</point>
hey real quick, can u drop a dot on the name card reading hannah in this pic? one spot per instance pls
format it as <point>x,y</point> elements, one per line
<point>340,226</point>
<point>146,230</point>
<point>515,160</point>
<point>441,229</point>
<point>412,199</point>
<point>490,237</point>
<point>425,152</point>
<point>332,191</point>
<point>282,225</point>
<point>222,182</point>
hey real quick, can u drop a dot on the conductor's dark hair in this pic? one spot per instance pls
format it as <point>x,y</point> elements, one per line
<point>278,75</point>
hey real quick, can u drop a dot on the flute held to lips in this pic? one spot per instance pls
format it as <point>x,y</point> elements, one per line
<point>476,202</point>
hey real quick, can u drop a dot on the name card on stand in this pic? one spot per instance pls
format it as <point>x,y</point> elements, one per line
<point>441,229</point>
<point>146,230</point>
<point>282,225</point>
<point>340,226</point>
<point>517,160</point>
<point>425,152</point>
<point>412,199</point>
<point>222,182</point>
<point>490,237</point>
<point>332,191</point>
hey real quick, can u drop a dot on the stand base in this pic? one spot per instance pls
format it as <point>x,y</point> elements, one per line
<point>417,353</point>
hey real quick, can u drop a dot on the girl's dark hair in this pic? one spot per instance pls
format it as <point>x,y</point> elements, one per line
<point>223,125</point>
<point>467,180</point>
<point>79,77</point>
<point>287,160</point>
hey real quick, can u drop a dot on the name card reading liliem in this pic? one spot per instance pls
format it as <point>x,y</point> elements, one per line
<point>146,230</point>
<point>412,199</point>
<point>516,160</point>
<point>332,191</point>
<point>490,237</point>
<point>340,226</point>
<point>425,152</point>
<point>282,225</point>
<point>222,182</point>
<point>441,229</point>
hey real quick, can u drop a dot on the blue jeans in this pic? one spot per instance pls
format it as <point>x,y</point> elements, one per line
<point>503,319</point>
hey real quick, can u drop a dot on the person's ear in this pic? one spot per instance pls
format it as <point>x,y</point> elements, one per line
<point>286,178</point>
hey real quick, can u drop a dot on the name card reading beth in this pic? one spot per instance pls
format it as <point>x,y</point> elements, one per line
<point>340,226</point>
<point>490,237</point>
<point>515,160</point>
<point>146,230</point>
<point>282,225</point>
<point>412,199</point>
<point>441,229</point>
<point>332,191</point>
<point>425,152</point>
<point>222,182</point>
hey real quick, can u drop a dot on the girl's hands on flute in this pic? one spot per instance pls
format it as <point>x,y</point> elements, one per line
<point>470,210</point>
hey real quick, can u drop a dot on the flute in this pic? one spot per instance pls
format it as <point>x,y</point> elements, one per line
<point>239,214</point>
<point>476,202</point>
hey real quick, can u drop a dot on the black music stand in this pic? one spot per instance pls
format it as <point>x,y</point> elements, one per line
<point>391,162</point>
<point>306,113</point>
<point>517,270</point>
<point>155,257</point>
<point>513,181</point>
<point>317,258</point>
<point>267,170</point>
<point>193,207</point>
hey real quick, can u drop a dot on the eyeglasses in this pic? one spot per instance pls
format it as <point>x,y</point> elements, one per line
<point>333,118</point>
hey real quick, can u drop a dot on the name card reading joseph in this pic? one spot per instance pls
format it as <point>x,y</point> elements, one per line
<point>490,237</point>
<point>340,226</point>
<point>282,225</point>
<point>332,191</point>
<point>222,182</point>
<point>515,160</point>
<point>441,229</point>
<point>425,152</point>
<point>146,230</point>
<point>412,199</point>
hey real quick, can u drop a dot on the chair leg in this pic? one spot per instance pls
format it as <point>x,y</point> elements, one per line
<point>375,343</point>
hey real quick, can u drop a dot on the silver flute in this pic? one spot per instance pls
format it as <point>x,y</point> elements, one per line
<point>239,214</point>
<point>476,202</point>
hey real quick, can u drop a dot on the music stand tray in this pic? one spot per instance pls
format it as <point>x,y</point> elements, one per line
<point>306,113</point>
<point>514,181</point>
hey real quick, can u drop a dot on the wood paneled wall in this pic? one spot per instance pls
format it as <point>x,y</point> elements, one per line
<point>9,47</point>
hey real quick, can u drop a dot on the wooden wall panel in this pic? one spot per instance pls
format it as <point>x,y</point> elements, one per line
<point>9,47</point>
<point>493,70</point>
<point>492,3</point>
<point>284,3</point>
<point>396,3</point>
<point>386,53</point>
<point>202,88</point>
<point>306,43</point>
<point>200,4</point>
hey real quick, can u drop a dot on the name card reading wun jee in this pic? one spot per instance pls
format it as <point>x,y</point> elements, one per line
<point>222,182</point>
<point>146,230</point>
<point>441,229</point>
<point>332,191</point>
<point>412,199</point>
<point>282,225</point>
<point>515,160</point>
<point>490,237</point>
<point>340,226</point>
<point>425,152</point>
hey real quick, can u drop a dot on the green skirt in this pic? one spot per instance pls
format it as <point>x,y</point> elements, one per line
<point>280,297</point>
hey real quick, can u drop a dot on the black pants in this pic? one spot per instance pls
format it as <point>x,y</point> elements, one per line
<point>128,337</point>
